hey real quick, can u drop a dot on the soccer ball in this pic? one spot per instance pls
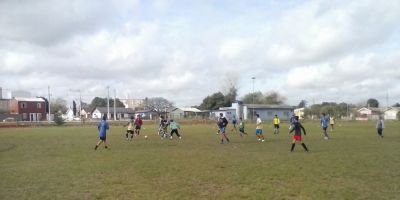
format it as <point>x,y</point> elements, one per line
<point>145,137</point>
<point>325,138</point>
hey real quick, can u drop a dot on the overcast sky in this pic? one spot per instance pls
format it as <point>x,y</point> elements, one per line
<point>185,50</point>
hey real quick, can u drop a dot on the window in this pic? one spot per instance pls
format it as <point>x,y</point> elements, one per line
<point>39,116</point>
<point>286,113</point>
<point>24,116</point>
<point>39,105</point>
<point>23,105</point>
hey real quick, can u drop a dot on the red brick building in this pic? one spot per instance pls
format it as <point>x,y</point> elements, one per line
<point>31,109</point>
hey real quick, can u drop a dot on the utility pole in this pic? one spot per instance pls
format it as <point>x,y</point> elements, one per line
<point>48,92</point>
<point>387,99</point>
<point>115,100</point>
<point>108,102</point>
<point>252,116</point>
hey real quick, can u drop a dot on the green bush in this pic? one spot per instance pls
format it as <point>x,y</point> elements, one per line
<point>58,119</point>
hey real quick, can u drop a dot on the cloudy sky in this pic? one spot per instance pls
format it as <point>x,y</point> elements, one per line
<point>185,50</point>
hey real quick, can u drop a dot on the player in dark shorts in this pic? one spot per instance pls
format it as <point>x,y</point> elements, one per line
<point>138,124</point>
<point>130,129</point>
<point>297,128</point>
<point>102,127</point>
<point>222,123</point>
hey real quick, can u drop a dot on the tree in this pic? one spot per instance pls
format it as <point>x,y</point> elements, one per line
<point>58,119</point>
<point>230,97</point>
<point>102,102</point>
<point>158,104</point>
<point>58,106</point>
<point>396,105</point>
<point>267,98</point>
<point>302,104</point>
<point>274,98</point>
<point>74,107</point>
<point>213,102</point>
<point>372,103</point>
<point>257,96</point>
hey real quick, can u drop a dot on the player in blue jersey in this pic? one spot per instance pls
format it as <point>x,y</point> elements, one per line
<point>324,125</point>
<point>222,123</point>
<point>102,127</point>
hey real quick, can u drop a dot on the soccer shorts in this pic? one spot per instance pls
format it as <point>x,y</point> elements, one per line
<point>297,137</point>
<point>259,131</point>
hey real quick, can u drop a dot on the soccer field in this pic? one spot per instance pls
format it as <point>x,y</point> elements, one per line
<point>60,163</point>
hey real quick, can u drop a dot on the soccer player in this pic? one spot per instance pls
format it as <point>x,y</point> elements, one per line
<point>222,123</point>
<point>332,122</point>
<point>163,127</point>
<point>276,124</point>
<point>241,127</point>
<point>102,127</point>
<point>138,124</point>
<point>292,121</point>
<point>297,127</point>
<point>259,132</point>
<point>234,122</point>
<point>130,129</point>
<point>324,124</point>
<point>174,126</point>
<point>380,125</point>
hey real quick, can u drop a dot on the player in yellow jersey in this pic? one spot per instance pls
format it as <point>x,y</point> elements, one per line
<point>276,124</point>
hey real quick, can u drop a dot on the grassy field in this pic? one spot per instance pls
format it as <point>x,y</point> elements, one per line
<point>60,163</point>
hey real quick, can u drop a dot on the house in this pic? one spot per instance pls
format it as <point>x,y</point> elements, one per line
<point>248,111</point>
<point>31,109</point>
<point>299,112</point>
<point>147,114</point>
<point>368,113</point>
<point>69,115</point>
<point>267,112</point>
<point>391,113</point>
<point>185,112</point>
<point>85,112</point>
<point>121,113</point>
<point>4,106</point>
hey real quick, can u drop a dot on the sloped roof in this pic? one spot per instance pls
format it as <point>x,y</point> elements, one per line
<point>269,106</point>
<point>189,109</point>
<point>32,99</point>
<point>117,110</point>
<point>396,109</point>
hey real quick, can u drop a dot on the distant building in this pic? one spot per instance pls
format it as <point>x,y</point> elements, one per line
<point>368,113</point>
<point>85,112</point>
<point>246,111</point>
<point>121,113</point>
<point>299,112</point>
<point>147,114</point>
<point>31,109</point>
<point>186,113</point>
<point>391,113</point>
<point>4,106</point>
<point>132,103</point>
<point>69,115</point>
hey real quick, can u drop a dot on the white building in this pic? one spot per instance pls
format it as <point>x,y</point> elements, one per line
<point>391,113</point>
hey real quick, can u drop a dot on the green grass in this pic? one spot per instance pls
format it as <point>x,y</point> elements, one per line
<point>60,163</point>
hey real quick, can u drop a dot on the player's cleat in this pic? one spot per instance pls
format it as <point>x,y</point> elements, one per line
<point>95,148</point>
<point>262,140</point>
<point>259,139</point>
<point>180,137</point>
